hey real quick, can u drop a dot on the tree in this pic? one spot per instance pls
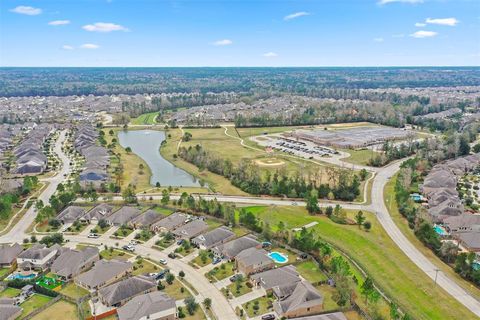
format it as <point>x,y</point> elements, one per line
<point>312,202</point>
<point>394,313</point>
<point>165,197</point>
<point>191,305</point>
<point>181,274</point>
<point>463,147</point>
<point>102,223</point>
<point>448,251</point>
<point>207,302</point>
<point>476,148</point>
<point>367,225</point>
<point>363,174</point>
<point>369,291</point>
<point>187,136</point>
<point>344,292</point>
<point>129,195</point>
<point>169,278</point>
<point>360,218</point>
<point>128,149</point>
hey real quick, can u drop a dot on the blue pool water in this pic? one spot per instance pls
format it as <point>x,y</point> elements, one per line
<point>21,276</point>
<point>439,230</point>
<point>278,257</point>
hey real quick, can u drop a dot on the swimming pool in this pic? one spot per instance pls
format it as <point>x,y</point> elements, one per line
<point>21,276</point>
<point>278,257</point>
<point>440,230</point>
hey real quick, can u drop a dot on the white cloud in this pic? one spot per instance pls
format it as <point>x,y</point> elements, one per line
<point>29,11</point>
<point>104,27</point>
<point>402,1</point>
<point>67,47</point>
<point>270,55</point>
<point>423,34</point>
<point>223,42</point>
<point>444,22</point>
<point>296,15</point>
<point>420,24</point>
<point>378,39</point>
<point>89,46</point>
<point>59,22</point>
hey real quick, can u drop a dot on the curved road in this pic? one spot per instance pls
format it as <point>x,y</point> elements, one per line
<point>17,233</point>
<point>221,307</point>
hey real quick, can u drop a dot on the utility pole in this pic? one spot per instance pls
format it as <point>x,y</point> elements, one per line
<point>436,274</point>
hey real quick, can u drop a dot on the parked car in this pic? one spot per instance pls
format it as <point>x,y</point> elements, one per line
<point>216,260</point>
<point>172,255</point>
<point>180,241</point>
<point>162,274</point>
<point>163,261</point>
<point>93,236</point>
<point>128,248</point>
<point>268,317</point>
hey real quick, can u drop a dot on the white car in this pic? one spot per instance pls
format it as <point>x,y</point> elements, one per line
<point>93,236</point>
<point>163,261</point>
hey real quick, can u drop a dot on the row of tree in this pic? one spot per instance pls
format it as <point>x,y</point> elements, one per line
<point>247,176</point>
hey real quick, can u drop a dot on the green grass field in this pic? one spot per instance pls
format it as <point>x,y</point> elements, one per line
<point>389,267</point>
<point>73,291</point>
<point>146,118</point>
<point>34,302</point>
<point>10,293</point>
<point>60,310</point>
<point>402,224</point>
<point>360,157</point>
<point>310,271</point>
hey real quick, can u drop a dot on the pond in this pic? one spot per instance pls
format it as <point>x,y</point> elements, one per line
<point>146,144</point>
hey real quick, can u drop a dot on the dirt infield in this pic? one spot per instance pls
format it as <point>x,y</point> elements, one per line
<point>270,162</point>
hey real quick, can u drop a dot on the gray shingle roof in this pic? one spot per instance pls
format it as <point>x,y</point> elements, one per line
<point>70,262</point>
<point>191,229</point>
<point>304,295</point>
<point>9,252</point>
<point>103,271</point>
<point>234,247</point>
<point>253,256</point>
<point>123,215</point>
<point>277,277</point>
<point>214,237</point>
<point>126,289</point>
<point>145,305</point>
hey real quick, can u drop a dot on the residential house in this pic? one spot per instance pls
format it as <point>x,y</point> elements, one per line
<point>8,310</point>
<point>272,279</point>
<point>153,306</point>
<point>38,257</point>
<point>170,223</point>
<point>70,214</point>
<point>463,223</point>
<point>213,238</point>
<point>71,263</point>
<point>9,254</point>
<point>253,260</point>
<point>146,219</point>
<point>103,273</point>
<point>325,316</point>
<point>100,212</point>
<point>118,293</point>
<point>230,249</point>
<point>191,229</point>
<point>123,215</point>
<point>301,300</point>
<point>469,240</point>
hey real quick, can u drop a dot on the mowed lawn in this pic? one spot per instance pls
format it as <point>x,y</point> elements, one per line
<point>389,267</point>
<point>60,310</point>
<point>402,224</point>
<point>34,302</point>
<point>360,157</point>
<point>146,118</point>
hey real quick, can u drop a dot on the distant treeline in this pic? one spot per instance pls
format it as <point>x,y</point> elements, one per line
<point>315,82</point>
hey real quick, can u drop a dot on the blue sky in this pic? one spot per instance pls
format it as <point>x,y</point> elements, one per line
<point>239,33</point>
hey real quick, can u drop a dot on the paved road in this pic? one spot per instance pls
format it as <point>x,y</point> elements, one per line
<point>378,206</point>
<point>17,233</point>
<point>220,306</point>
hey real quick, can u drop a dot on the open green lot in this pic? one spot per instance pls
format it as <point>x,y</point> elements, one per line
<point>146,118</point>
<point>175,290</point>
<point>10,293</point>
<point>4,272</point>
<point>237,289</point>
<point>73,291</point>
<point>388,266</point>
<point>310,271</point>
<point>361,156</point>
<point>34,302</point>
<point>142,266</point>
<point>60,310</point>
<point>115,254</point>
